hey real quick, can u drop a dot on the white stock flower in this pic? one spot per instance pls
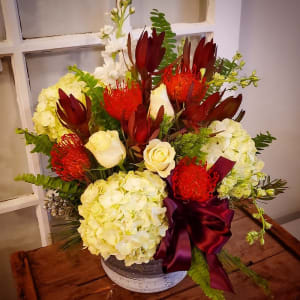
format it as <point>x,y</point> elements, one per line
<point>107,148</point>
<point>159,157</point>
<point>158,98</point>
<point>106,31</point>
<point>116,61</point>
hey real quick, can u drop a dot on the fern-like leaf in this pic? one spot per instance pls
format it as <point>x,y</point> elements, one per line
<point>67,233</point>
<point>234,262</point>
<point>100,117</point>
<point>278,185</point>
<point>263,140</point>
<point>160,23</point>
<point>53,183</point>
<point>42,143</point>
<point>200,274</point>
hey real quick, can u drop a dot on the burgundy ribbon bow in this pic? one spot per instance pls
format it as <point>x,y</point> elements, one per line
<point>206,224</point>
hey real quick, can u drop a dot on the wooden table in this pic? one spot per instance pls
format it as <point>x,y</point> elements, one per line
<point>52,274</point>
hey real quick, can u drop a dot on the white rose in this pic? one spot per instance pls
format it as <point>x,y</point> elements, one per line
<point>159,157</point>
<point>158,98</point>
<point>107,148</point>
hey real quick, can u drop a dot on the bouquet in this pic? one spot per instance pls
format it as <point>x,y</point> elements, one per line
<point>148,155</point>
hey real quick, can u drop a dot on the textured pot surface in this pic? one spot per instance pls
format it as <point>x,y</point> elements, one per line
<point>141,278</point>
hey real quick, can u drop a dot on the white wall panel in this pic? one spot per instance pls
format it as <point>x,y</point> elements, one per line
<point>12,151</point>
<point>2,27</point>
<point>270,42</point>
<point>177,11</point>
<point>45,68</point>
<point>41,18</point>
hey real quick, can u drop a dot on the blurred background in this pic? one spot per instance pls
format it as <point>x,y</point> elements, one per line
<point>35,52</point>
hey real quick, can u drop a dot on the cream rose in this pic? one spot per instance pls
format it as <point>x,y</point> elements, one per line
<point>159,157</point>
<point>158,98</point>
<point>107,148</point>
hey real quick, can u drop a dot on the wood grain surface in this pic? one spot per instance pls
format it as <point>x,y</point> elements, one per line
<point>52,274</point>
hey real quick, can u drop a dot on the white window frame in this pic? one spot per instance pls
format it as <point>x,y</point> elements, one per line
<point>15,47</point>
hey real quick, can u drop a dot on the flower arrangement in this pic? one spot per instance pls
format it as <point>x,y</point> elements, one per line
<point>148,154</point>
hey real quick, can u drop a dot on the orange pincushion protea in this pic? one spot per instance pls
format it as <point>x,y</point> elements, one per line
<point>69,158</point>
<point>181,84</point>
<point>191,182</point>
<point>122,101</point>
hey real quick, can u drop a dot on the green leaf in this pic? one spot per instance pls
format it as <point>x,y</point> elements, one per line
<point>263,140</point>
<point>160,23</point>
<point>200,274</point>
<point>42,142</point>
<point>100,117</point>
<point>165,126</point>
<point>53,183</point>
<point>232,262</point>
<point>190,144</point>
<point>278,185</point>
<point>67,232</point>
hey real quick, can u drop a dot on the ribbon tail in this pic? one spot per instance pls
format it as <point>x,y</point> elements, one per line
<point>218,277</point>
<point>181,258</point>
<point>222,167</point>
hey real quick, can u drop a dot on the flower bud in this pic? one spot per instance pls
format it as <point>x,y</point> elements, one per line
<point>158,98</point>
<point>107,148</point>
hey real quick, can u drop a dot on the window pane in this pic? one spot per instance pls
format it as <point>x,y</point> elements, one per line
<point>19,232</point>
<point>45,68</point>
<point>176,11</point>
<point>2,27</point>
<point>40,18</point>
<point>12,153</point>
<point>194,39</point>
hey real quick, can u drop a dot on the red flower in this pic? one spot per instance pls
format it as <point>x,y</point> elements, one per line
<point>191,182</point>
<point>149,52</point>
<point>121,102</point>
<point>197,115</point>
<point>186,84</point>
<point>205,57</point>
<point>74,115</point>
<point>141,128</point>
<point>183,86</point>
<point>148,56</point>
<point>69,158</point>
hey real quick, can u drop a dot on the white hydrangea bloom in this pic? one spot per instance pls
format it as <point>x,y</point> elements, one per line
<point>234,143</point>
<point>124,216</point>
<point>45,118</point>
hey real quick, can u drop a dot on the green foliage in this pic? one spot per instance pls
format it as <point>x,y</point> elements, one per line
<point>42,143</point>
<point>200,274</point>
<point>254,235</point>
<point>100,117</point>
<point>233,262</point>
<point>160,23</point>
<point>67,232</point>
<point>190,144</point>
<point>64,188</point>
<point>228,72</point>
<point>165,126</point>
<point>263,140</point>
<point>277,186</point>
